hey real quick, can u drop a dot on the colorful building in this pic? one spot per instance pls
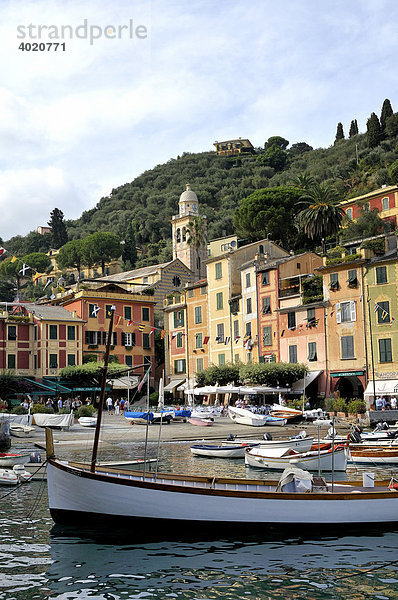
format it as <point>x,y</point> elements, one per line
<point>234,147</point>
<point>176,342</point>
<point>347,347</point>
<point>133,332</point>
<point>385,200</point>
<point>197,327</point>
<point>38,340</point>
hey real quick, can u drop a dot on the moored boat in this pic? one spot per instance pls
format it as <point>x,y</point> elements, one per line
<point>212,451</point>
<point>242,416</point>
<point>279,459</point>
<point>20,430</point>
<point>201,422</point>
<point>9,459</point>
<point>374,455</point>
<point>87,421</point>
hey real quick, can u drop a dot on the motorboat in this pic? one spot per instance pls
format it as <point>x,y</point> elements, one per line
<point>299,443</point>
<point>212,451</point>
<point>9,459</point>
<point>13,476</point>
<point>371,455</point>
<point>314,460</point>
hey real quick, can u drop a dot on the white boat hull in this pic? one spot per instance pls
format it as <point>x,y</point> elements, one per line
<point>260,460</point>
<point>245,417</point>
<point>14,459</point>
<point>21,431</point>
<point>106,499</point>
<point>302,445</point>
<point>219,452</point>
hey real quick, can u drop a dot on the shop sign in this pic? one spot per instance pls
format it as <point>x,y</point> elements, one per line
<point>346,373</point>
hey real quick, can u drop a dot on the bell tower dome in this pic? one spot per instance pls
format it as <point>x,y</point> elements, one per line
<point>191,254</point>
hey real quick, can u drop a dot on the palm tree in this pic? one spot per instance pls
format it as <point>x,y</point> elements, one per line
<point>322,215</point>
<point>196,237</point>
<point>304,181</point>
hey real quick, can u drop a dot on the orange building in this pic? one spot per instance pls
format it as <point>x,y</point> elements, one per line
<point>176,347</point>
<point>385,200</point>
<point>197,327</point>
<point>133,333</point>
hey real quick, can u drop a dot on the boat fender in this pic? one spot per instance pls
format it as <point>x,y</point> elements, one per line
<point>267,436</point>
<point>131,422</point>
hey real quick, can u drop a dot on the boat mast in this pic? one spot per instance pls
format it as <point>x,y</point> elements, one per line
<point>102,393</point>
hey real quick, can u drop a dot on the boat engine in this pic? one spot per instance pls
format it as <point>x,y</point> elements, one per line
<point>231,437</point>
<point>355,437</point>
<point>267,436</point>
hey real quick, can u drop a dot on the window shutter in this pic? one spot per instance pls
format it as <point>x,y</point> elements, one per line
<point>104,337</point>
<point>133,339</point>
<point>338,313</point>
<point>175,320</point>
<point>87,337</point>
<point>114,342</point>
<point>353,310</point>
<point>123,338</point>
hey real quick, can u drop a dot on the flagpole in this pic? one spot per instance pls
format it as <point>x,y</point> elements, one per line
<point>147,420</point>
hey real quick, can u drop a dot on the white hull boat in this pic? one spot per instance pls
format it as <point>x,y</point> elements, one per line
<point>230,451</point>
<point>243,416</point>
<point>109,497</point>
<point>370,455</point>
<point>21,431</point>
<point>278,460</point>
<point>17,474</point>
<point>87,421</point>
<point>299,445</point>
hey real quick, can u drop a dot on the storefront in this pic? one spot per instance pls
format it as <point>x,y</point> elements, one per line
<point>348,384</point>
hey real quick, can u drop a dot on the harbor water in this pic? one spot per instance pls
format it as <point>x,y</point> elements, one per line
<point>39,560</point>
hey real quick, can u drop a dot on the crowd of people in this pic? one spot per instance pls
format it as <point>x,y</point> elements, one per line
<point>386,404</point>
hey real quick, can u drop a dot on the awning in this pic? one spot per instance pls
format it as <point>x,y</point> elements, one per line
<point>299,386</point>
<point>386,386</point>
<point>124,383</point>
<point>51,388</point>
<point>173,384</point>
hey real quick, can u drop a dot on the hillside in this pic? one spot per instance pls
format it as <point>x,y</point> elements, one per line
<point>220,183</point>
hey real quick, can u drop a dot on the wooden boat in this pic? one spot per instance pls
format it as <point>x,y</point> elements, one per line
<point>87,495</point>
<point>110,497</point>
<point>87,421</point>
<point>19,430</point>
<point>210,451</point>
<point>242,416</point>
<point>374,456</point>
<point>278,459</point>
<point>201,422</point>
<point>38,471</point>
<point>8,459</point>
<point>299,445</point>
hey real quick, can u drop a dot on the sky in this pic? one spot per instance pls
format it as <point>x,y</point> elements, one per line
<point>78,121</point>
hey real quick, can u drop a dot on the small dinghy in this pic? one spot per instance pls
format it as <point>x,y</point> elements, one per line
<point>19,430</point>
<point>242,416</point>
<point>279,459</point>
<point>8,459</point>
<point>138,418</point>
<point>13,476</point>
<point>230,451</point>
<point>87,421</point>
<point>201,422</point>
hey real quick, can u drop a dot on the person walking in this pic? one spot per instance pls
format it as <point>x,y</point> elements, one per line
<point>109,405</point>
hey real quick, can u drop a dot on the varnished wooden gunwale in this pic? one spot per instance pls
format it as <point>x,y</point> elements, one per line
<point>103,475</point>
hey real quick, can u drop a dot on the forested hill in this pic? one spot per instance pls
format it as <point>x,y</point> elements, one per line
<point>221,183</point>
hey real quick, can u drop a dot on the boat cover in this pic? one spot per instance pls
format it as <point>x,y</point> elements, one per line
<point>295,480</point>
<point>48,420</point>
<point>182,413</point>
<point>139,415</point>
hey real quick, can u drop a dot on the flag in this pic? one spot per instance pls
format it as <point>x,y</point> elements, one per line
<point>36,276</point>
<point>61,288</point>
<point>227,340</point>
<point>129,323</point>
<point>174,335</point>
<point>118,319</point>
<point>282,332</point>
<point>142,327</point>
<point>95,310</point>
<point>2,251</point>
<point>376,308</point>
<point>162,334</point>
<point>384,315</point>
<point>143,380</point>
<point>206,340</point>
<point>48,282</point>
<point>237,339</point>
<point>152,330</point>
<point>24,269</point>
<point>392,321</point>
<point>14,258</point>
<point>218,338</point>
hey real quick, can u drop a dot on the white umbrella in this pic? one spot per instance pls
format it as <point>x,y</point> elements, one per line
<point>161,395</point>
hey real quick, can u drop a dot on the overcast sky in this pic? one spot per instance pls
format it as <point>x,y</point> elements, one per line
<point>79,122</point>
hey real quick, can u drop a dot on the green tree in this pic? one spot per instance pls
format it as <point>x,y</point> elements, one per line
<point>7,291</point>
<point>276,141</point>
<point>339,133</point>
<point>196,237</point>
<point>38,261</point>
<point>71,255</point>
<point>272,374</point>
<point>101,247</point>
<point>221,375</point>
<point>304,181</point>
<point>269,211</point>
<point>299,148</point>
<point>10,271</point>
<point>393,172</point>
<point>386,111</point>
<point>367,224</point>
<point>129,255</point>
<point>373,131</point>
<point>59,235</point>
<point>322,216</point>
<point>353,128</point>
<point>392,126</point>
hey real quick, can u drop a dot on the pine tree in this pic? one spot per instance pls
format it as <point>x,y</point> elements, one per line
<point>386,112</point>
<point>353,128</point>
<point>129,255</point>
<point>58,228</point>
<point>373,131</point>
<point>339,133</point>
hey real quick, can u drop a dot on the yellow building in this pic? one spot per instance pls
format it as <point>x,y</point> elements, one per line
<point>197,327</point>
<point>234,147</point>
<point>111,267</point>
<point>222,245</point>
<point>175,342</point>
<point>228,339</point>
